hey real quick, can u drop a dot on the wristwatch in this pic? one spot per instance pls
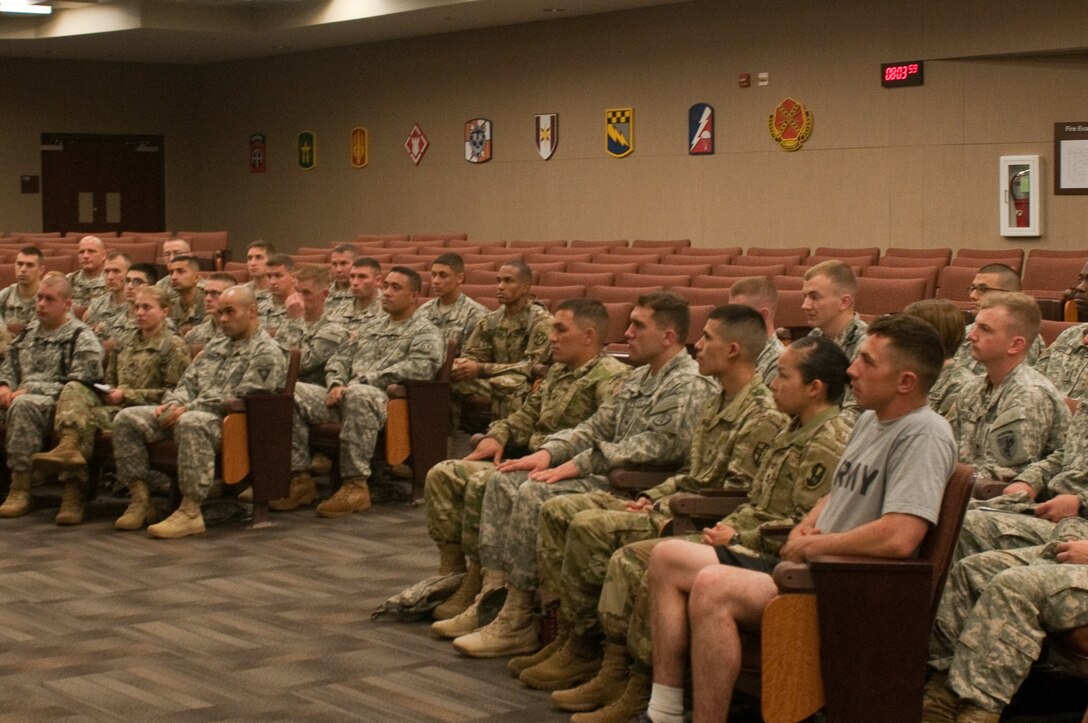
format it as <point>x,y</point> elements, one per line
<point>734,540</point>
<point>1082,511</point>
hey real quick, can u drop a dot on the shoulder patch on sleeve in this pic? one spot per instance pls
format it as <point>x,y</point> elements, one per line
<point>816,476</point>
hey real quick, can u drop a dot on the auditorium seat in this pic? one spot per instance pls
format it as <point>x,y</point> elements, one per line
<point>491,266</point>
<point>716,282</point>
<point>565,278</point>
<point>490,302</point>
<point>666,280</point>
<point>309,259</point>
<point>861,262</point>
<point>801,251</point>
<point>873,252</point>
<point>75,236</point>
<point>456,244</point>
<point>626,258</point>
<point>766,259</point>
<point>440,237</point>
<point>314,250</point>
<point>537,244</point>
<point>688,269</point>
<point>942,255</point>
<point>789,313</point>
<point>783,281</point>
<point>411,258</point>
<point>581,243</point>
<point>542,266</point>
<point>419,266</point>
<point>476,277</point>
<point>730,251</point>
<point>611,294</point>
<point>382,237</point>
<point>706,259</point>
<point>801,269</point>
<point>742,270</point>
<point>7,275</point>
<point>699,315</point>
<point>909,262</point>
<point>562,254</point>
<point>1052,254</point>
<point>476,291</point>
<point>977,258</point>
<point>552,295</point>
<point>619,318</point>
<point>696,296</point>
<point>62,263</point>
<point>929,273</point>
<point>658,244</point>
<point>887,296</point>
<point>953,282</point>
<point>1050,329</point>
<point>432,250</point>
<point>643,254</point>
<point>1047,277</point>
<point>142,253</point>
<point>589,267</point>
<point>505,253</point>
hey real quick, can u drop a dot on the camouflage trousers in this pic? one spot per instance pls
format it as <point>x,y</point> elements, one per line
<point>508,523</point>
<point>446,498</point>
<point>984,530</point>
<point>361,414</point>
<point>198,435</point>
<point>29,419</point>
<point>81,409</point>
<point>462,391</point>
<point>993,617</point>
<point>578,535</point>
<point>507,393</point>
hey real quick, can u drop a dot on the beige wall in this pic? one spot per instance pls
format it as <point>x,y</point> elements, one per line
<point>913,166</point>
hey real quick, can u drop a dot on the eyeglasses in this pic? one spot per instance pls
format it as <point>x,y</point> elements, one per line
<point>134,282</point>
<point>981,289</point>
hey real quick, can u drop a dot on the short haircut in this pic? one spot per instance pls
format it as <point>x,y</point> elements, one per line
<point>244,293</point>
<point>222,276</point>
<point>269,249</point>
<point>1024,315</point>
<point>415,283</point>
<point>315,273</point>
<point>57,280</point>
<point>367,262</point>
<point>744,325</point>
<point>840,274</point>
<point>32,251</point>
<point>148,270</point>
<point>914,344</point>
<point>282,260</point>
<point>671,311</point>
<point>454,261</point>
<point>178,239</point>
<point>118,254</point>
<point>162,299</point>
<point>1010,280</point>
<point>346,249</point>
<point>946,318</point>
<point>757,288</point>
<point>587,312</point>
<point>191,261</point>
<point>823,360</point>
<point>524,273</point>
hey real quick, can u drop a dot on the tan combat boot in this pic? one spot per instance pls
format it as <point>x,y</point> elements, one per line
<point>576,661</point>
<point>302,492</point>
<point>469,620</point>
<point>939,704</point>
<point>320,464</point>
<point>971,713</point>
<point>186,520</point>
<point>463,597</point>
<point>512,632</point>
<point>521,662</point>
<point>633,702</point>
<point>451,558</point>
<point>71,504</point>
<point>65,457</point>
<point>606,687</point>
<point>17,503</point>
<point>353,496</point>
<point>139,511</point>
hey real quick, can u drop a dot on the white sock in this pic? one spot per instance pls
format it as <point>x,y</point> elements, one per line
<point>666,704</point>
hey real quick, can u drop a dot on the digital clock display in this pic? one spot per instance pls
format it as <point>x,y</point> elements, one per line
<point>897,75</point>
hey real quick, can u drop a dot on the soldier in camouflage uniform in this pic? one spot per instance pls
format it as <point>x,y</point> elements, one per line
<point>17,301</point>
<point>452,312</point>
<point>366,307</point>
<point>340,298</point>
<point>241,361</point>
<point>257,255</point>
<point>172,248</point>
<point>793,474</point>
<point>403,346</point>
<point>317,338</point>
<point>829,290</point>
<point>497,359</point>
<point>139,372</point>
<point>578,533</point>
<point>581,379</point>
<point>187,309</point>
<point>947,319</point>
<point>55,350</point>
<point>205,331</point>
<point>109,311</point>
<point>1065,362</point>
<point>989,279</point>
<point>1013,415</point>
<point>651,421</point>
<point>281,284</point>
<point>994,615</point>
<point>759,293</point>
<point>88,281</point>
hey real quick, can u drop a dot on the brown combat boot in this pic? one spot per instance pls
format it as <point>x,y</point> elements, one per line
<point>302,492</point>
<point>71,504</point>
<point>353,496</point>
<point>521,662</point>
<point>186,520</point>
<point>971,713</point>
<point>939,704</point>
<point>607,686</point>
<point>576,661</point>
<point>451,558</point>
<point>463,597</point>
<point>469,620</point>
<point>512,632</point>
<point>65,457</point>
<point>17,503</point>
<point>139,511</point>
<point>633,702</point>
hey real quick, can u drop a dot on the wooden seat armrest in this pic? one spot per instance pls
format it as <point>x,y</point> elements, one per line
<point>642,478</point>
<point>858,563</point>
<point>793,577</point>
<point>986,489</point>
<point>397,391</point>
<point>777,531</point>
<point>234,405</point>
<point>712,503</point>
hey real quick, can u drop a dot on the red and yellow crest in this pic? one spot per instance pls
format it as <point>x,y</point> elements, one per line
<point>790,124</point>
<point>360,147</point>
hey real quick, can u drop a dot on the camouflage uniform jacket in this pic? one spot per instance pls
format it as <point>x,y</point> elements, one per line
<point>146,368</point>
<point>1065,470</point>
<point>850,338</point>
<point>41,361</point>
<point>963,354</point>
<point>793,475</point>
<point>564,398</point>
<point>767,363</point>
<point>339,300</point>
<point>264,299</point>
<point>1065,362</point>
<point>731,439</point>
<point>105,317</point>
<point>1003,429</point>
<point>387,353</point>
<point>187,315</point>
<point>455,321</point>
<point>227,369</point>
<point>317,340</point>
<point>14,309</point>
<point>356,318</point>
<point>650,421</point>
<point>273,316</point>
<point>202,333</point>
<point>503,344</point>
<point>85,288</point>
<point>947,387</point>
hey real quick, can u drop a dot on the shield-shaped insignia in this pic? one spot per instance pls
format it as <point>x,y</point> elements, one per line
<point>360,147</point>
<point>258,153</point>
<point>307,150</point>
<point>478,140</point>
<point>701,129</point>
<point>547,134</point>
<point>790,124</point>
<point>416,144</point>
<point>619,131</point>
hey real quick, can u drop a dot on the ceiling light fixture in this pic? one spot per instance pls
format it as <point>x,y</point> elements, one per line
<point>25,9</point>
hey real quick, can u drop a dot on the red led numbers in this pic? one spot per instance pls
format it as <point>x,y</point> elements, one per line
<point>896,75</point>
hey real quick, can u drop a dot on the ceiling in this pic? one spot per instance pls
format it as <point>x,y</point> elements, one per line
<point>193,32</point>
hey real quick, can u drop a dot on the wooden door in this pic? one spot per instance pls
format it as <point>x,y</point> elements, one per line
<point>102,183</point>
